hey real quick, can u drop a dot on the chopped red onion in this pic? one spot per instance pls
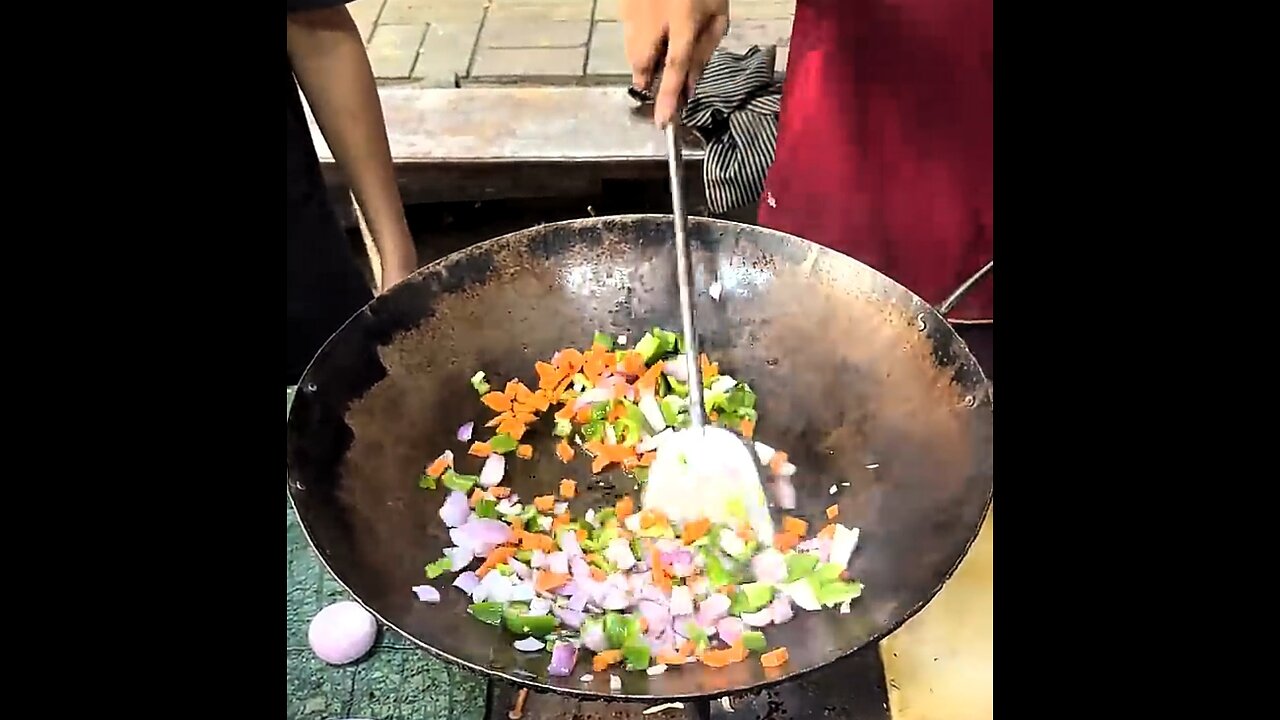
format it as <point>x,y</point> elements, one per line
<point>593,637</point>
<point>655,669</point>
<point>578,601</point>
<point>459,558</point>
<point>784,493</point>
<point>560,508</point>
<point>615,600</point>
<point>483,531</point>
<point>681,601</point>
<point>539,606</point>
<point>521,570</point>
<point>713,608</point>
<point>563,657</point>
<point>759,618</point>
<point>568,589</point>
<point>426,593</point>
<point>538,559</point>
<point>520,592</point>
<point>722,384</point>
<point>592,396</point>
<point>569,543</point>
<point>491,473</point>
<point>455,510</point>
<point>764,453</point>
<point>680,624</point>
<point>781,610</point>
<point>571,618</point>
<point>802,593</point>
<point>615,683</point>
<point>656,615</point>
<point>464,432</point>
<point>466,582</point>
<point>769,566</point>
<point>529,644</point>
<point>558,562</point>
<point>619,553</point>
<point>678,369</point>
<point>730,629</point>
<point>509,506</point>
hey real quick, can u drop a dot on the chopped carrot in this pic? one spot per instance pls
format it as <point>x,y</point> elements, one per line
<point>497,557</point>
<point>565,413</point>
<point>739,650</point>
<point>440,464</point>
<point>480,449</point>
<point>669,657</point>
<point>564,451</point>
<point>544,503</point>
<point>832,512</point>
<point>777,461</point>
<point>560,521</point>
<point>648,383</point>
<point>537,541</point>
<point>593,558</point>
<point>497,420</point>
<point>774,657</point>
<point>597,574</point>
<point>625,507</point>
<point>695,529</point>
<point>630,463</point>
<point>784,541</point>
<point>582,534</point>
<point>713,416</point>
<point>828,532</point>
<point>499,492</point>
<point>524,452</point>
<point>584,414</point>
<point>748,427</point>
<point>647,459</point>
<point>496,401</point>
<point>720,658</point>
<point>687,647</point>
<point>617,411</point>
<point>512,427</point>
<point>644,624</point>
<point>548,375</point>
<point>546,581</point>
<point>603,660</point>
<point>659,571</point>
<point>568,488</point>
<point>709,369</point>
<point>795,526</point>
<point>632,363</point>
<point>476,497</point>
<point>729,589</point>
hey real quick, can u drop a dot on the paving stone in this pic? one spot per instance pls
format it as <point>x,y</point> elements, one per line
<point>762,9</point>
<point>607,10</point>
<point>546,10</point>
<point>446,52</point>
<point>514,33</point>
<point>743,34</point>
<point>412,12</point>
<point>528,62</point>
<point>607,55</point>
<point>365,14</point>
<point>394,48</point>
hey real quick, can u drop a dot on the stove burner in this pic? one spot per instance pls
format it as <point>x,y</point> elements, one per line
<point>850,689</point>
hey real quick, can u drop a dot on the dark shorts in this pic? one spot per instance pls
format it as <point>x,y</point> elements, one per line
<point>324,285</point>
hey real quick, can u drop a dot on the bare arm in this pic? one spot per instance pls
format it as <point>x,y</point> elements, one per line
<point>329,60</point>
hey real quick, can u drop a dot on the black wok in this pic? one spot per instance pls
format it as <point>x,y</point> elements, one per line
<point>852,370</point>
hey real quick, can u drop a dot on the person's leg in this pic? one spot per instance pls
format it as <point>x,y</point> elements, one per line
<point>324,288</point>
<point>978,338</point>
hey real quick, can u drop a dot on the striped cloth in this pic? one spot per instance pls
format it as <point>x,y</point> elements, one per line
<point>734,109</point>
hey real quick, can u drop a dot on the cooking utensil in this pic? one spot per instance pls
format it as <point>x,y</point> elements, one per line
<point>859,381</point>
<point>701,455</point>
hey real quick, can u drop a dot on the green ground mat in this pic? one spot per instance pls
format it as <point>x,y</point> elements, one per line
<point>396,681</point>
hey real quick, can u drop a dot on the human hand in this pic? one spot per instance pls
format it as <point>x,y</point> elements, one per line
<point>676,35</point>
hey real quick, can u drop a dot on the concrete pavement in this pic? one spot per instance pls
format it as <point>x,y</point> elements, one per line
<point>448,43</point>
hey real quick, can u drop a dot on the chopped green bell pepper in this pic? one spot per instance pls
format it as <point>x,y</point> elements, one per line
<point>636,654</point>
<point>518,622</point>
<point>480,384</point>
<point>835,593</point>
<point>603,339</point>
<point>489,613</point>
<point>457,481</point>
<point>503,443</point>
<point>800,565</point>
<point>754,641</point>
<point>750,597</point>
<point>426,481</point>
<point>439,567</point>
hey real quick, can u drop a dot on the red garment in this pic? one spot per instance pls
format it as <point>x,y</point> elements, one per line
<point>885,141</point>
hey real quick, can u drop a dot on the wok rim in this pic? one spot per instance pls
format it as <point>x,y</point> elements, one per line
<point>586,693</point>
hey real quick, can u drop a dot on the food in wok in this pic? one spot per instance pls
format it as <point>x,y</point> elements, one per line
<point>630,585</point>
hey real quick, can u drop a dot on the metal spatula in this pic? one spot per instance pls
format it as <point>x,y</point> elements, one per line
<point>704,471</point>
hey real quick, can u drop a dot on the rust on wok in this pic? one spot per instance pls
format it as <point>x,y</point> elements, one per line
<point>851,369</point>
